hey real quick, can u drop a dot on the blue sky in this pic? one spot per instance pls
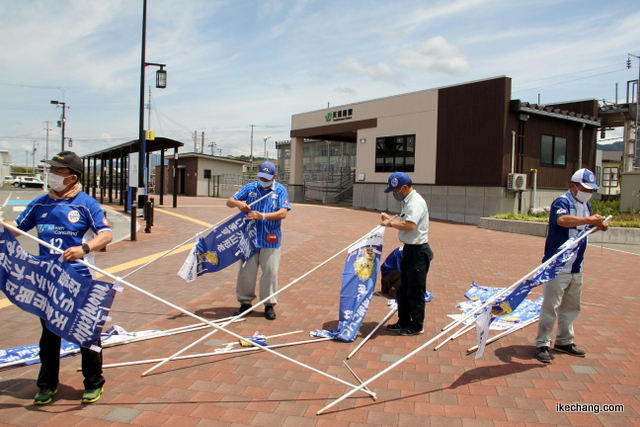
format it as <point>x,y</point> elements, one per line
<point>236,63</point>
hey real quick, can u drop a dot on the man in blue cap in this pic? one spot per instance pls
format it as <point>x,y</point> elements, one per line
<point>569,214</point>
<point>413,226</point>
<point>268,214</point>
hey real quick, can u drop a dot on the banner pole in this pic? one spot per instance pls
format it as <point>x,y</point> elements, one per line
<point>250,309</point>
<point>506,332</point>
<point>191,238</point>
<point>215,353</point>
<point>176,307</point>
<point>462,331</point>
<point>543,265</point>
<point>387,317</point>
<point>455,323</point>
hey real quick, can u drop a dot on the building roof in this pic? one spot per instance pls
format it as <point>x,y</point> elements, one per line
<point>157,144</point>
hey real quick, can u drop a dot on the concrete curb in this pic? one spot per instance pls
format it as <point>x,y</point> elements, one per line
<point>619,235</point>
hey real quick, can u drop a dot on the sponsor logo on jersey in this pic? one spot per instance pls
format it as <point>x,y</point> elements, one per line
<point>73,216</point>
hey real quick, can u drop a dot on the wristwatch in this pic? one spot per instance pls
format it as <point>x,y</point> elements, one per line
<point>86,248</point>
<point>390,223</point>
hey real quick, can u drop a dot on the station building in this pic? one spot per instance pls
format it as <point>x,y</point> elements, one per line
<point>470,149</point>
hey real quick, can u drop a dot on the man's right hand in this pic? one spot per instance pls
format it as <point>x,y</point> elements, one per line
<point>598,222</point>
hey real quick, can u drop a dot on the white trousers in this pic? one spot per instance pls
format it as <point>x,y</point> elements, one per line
<point>268,259</point>
<point>562,302</point>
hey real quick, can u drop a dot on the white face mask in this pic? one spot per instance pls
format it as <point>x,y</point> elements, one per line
<point>56,182</point>
<point>265,184</point>
<point>583,197</point>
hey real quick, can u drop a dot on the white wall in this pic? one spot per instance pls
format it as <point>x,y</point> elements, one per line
<point>413,113</point>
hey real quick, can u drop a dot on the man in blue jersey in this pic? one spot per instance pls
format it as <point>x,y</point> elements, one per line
<point>268,214</point>
<point>569,214</point>
<point>71,220</point>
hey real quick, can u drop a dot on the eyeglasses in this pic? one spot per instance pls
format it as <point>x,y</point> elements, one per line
<point>58,171</point>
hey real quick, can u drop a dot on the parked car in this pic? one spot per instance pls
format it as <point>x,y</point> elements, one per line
<point>28,181</point>
<point>8,180</point>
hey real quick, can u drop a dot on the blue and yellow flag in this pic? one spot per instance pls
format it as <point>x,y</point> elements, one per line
<point>233,241</point>
<point>358,283</point>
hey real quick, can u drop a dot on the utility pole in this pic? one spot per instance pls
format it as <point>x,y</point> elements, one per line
<point>62,122</point>
<point>202,144</point>
<point>251,154</point>
<point>34,155</point>
<point>195,141</point>
<point>47,144</point>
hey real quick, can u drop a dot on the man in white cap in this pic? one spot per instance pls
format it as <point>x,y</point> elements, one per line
<point>268,213</point>
<point>569,214</point>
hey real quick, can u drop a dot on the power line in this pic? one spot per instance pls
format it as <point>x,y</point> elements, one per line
<point>569,74</point>
<point>567,81</point>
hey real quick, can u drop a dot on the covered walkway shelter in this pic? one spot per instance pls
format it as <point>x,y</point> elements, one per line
<point>107,170</point>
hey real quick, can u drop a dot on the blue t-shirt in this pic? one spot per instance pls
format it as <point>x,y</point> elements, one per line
<point>392,262</point>
<point>64,223</point>
<point>269,233</point>
<point>557,235</point>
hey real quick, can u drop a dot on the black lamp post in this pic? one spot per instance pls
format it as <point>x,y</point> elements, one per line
<point>61,123</point>
<point>161,83</point>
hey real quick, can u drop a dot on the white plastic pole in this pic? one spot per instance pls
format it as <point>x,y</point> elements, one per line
<point>387,317</point>
<point>215,353</point>
<point>506,332</point>
<point>462,319</point>
<point>259,302</point>
<point>191,238</point>
<point>176,307</point>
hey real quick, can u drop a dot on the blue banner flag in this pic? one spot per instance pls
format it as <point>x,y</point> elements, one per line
<point>233,241</point>
<point>358,283</point>
<point>73,306</point>
<point>545,274</point>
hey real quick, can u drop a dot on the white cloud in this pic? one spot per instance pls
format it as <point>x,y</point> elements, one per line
<point>435,54</point>
<point>380,72</point>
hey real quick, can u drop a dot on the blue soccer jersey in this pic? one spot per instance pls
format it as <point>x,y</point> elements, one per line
<point>269,233</point>
<point>557,235</point>
<point>64,223</point>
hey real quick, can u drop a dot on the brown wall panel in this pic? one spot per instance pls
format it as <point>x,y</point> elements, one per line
<point>471,133</point>
<point>554,177</point>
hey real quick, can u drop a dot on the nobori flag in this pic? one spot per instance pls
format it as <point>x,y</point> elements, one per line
<point>358,283</point>
<point>545,274</point>
<point>233,241</point>
<point>73,306</point>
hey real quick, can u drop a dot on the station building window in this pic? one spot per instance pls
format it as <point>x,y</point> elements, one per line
<point>553,150</point>
<point>395,153</point>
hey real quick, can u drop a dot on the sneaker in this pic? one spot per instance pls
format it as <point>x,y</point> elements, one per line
<point>242,309</point>
<point>394,327</point>
<point>91,396</point>
<point>542,354</point>
<point>570,349</point>
<point>44,396</point>
<point>410,331</point>
<point>269,313</point>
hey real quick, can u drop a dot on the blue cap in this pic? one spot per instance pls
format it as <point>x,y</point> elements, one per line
<point>267,170</point>
<point>397,180</point>
<point>586,178</point>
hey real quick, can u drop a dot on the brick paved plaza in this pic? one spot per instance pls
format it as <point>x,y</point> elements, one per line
<point>507,387</point>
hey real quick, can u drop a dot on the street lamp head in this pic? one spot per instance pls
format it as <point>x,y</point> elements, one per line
<point>54,102</point>
<point>161,78</point>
